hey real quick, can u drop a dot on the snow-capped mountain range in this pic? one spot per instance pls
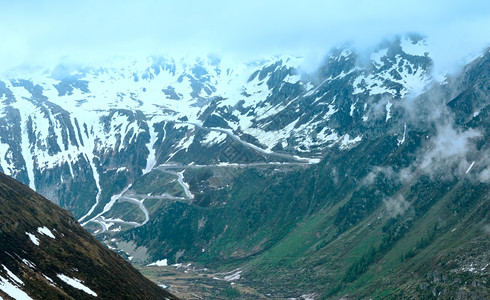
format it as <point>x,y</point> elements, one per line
<point>310,182</point>
<point>80,136</point>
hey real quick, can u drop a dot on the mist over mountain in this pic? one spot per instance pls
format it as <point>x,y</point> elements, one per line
<point>39,34</point>
<point>365,176</point>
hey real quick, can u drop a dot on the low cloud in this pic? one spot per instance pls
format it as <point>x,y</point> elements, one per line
<point>450,154</point>
<point>486,229</point>
<point>42,31</point>
<point>396,205</point>
<point>378,109</point>
<point>448,149</point>
<point>387,172</point>
<point>480,169</point>
<point>484,176</point>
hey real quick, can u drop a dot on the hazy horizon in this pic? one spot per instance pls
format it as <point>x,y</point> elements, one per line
<point>90,31</point>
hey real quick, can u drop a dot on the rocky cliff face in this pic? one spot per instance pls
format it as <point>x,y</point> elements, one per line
<point>81,136</point>
<point>46,254</point>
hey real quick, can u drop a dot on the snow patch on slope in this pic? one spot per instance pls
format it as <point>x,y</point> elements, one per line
<point>377,56</point>
<point>33,238</point>
<point>76,283</point>
<point>347,142</point>
<point>419,48</point>
<point>213,137</point>
<point>412,79</point>
<point>388,110</point>
<point>11,285</point>
<point>151,159</point>
<point>45,231</point>
<point>159,263</point>
<point>26,109</point>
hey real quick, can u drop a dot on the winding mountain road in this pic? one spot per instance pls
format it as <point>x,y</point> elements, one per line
<point>180,179</point>
<point>249,145</point>
<point>294,160</point>
<point>252,146</point>
<point>141,206</point>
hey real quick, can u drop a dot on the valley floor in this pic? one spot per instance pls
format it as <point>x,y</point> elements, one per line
<point>188,282</point>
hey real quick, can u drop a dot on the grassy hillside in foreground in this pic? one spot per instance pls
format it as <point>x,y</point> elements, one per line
<point>41,245</point>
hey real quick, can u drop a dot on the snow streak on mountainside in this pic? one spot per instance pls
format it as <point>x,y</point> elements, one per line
<point>82,136</point>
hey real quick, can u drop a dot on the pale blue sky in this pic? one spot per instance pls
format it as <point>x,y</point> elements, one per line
<point>89,30</point>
